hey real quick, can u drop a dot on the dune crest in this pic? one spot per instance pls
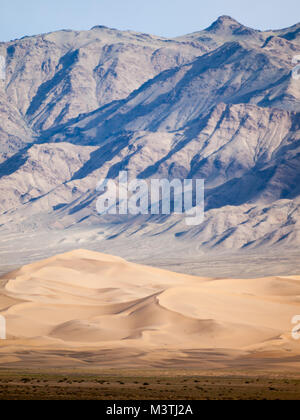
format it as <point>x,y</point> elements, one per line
<point>85,301</point>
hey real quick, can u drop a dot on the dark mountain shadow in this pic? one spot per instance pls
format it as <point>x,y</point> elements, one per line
<point>66,62</point>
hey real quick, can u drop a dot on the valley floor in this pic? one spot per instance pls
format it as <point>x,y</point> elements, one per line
<point>18,249</point>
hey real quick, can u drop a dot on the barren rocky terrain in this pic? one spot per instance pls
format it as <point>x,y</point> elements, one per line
<point>219,104</point>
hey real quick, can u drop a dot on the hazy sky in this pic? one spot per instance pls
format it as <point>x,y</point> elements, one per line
<point>160,17</point>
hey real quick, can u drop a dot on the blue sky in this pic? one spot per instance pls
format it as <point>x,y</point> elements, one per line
<point>168,18</point>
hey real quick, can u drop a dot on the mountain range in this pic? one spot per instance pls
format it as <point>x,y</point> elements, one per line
<point>219,104</point>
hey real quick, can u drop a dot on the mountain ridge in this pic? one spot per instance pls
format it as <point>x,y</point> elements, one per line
<point>219,104</point>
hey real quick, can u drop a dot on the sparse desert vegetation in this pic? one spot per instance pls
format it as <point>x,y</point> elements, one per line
<point>137,386</point>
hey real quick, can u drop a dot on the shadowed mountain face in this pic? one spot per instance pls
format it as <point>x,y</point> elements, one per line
<point>220,104</point>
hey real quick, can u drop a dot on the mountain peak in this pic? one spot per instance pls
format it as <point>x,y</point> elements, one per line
<point>226,18</point>
<point>226,25</point>
<point>223,22</point>
<point>99,27</point>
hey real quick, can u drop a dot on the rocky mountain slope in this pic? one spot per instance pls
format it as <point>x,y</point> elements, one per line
<point>220,104</point>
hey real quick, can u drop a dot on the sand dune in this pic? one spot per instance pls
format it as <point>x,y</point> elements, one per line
<point>87,308</point>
